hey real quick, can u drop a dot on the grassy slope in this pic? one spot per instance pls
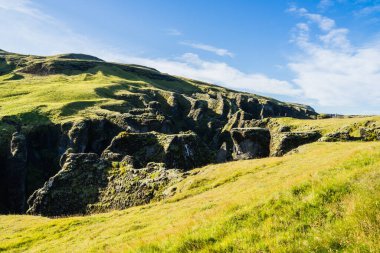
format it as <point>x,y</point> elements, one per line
<point>66,97</point>
<point>328,125</point>
<point>57,96</point>
<point>324,197</point>
<point>83,88</point>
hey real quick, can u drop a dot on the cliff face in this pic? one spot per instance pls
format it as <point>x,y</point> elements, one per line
<point>128,132</point>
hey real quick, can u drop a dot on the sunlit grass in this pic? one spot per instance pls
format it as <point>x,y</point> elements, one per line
<point>66,97</point>
<point>326,197</point>
<point>327,125</point>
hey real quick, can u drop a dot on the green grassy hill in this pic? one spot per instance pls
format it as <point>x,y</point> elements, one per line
<point>325,197</point>
<point>89,136</point>
<point>65,87</point>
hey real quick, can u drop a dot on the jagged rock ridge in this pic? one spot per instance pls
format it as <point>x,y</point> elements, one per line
<point>149,136</point>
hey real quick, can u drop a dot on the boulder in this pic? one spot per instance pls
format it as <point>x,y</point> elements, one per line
<point>250,143</point>
<point>130,187</point>
<point>75,186</point>
<point>370,134</point>
<point>285,141</point>
<point>78,136</point>
<point>222,154</point>
<point>340,135</point>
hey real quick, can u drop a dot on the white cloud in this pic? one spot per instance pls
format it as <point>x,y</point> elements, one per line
<point>173,32</point>
<point>324,23</point>
<point>212,49</point>
<point>324,4</point>
<point>23,6</point>
<point>26,29</point>
<point>332,71</point>
<point>336,38</point>
<point>368,10</point>
<point>192,66</point>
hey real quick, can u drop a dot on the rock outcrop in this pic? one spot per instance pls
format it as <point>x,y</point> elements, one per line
<point>250,143</point>
<point>183,151</point>
<point>87,184</point>
<point>342,135</point>
<point>130,187</point>
<point>143,135</point>
<point>370,134</point>
<point>283,142</point>
<point>74,187</point>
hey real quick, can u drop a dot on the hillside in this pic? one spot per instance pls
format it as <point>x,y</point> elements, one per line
<point>116,157</point>
<point>53,108</point>
<point>323,198</point>
<point>65,87</point>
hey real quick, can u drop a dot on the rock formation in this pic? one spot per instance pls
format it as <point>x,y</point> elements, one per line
<point>152,130</point>
<point>74,187</point>
<point>250,143</point>
<point>286,141</point>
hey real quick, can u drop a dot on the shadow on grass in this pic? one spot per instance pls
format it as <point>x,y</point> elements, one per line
<point>74,107</point>
<point>14,77</point>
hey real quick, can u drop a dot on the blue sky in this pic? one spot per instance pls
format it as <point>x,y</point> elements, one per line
<point>324,53</point>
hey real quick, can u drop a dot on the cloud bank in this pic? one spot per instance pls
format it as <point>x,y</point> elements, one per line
<point>330,69</point>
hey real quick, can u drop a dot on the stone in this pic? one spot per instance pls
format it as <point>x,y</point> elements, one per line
<point>222,154</point>
<point>182,151</point>
<point>369,133</point>
<point>250,143</point>
<point>74,187</point>
<point>130,187</point>
<point>340,135</point>
<point>78,136</point>
<point>284,142</point>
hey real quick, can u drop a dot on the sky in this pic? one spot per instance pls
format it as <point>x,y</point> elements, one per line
<point>325,53</point>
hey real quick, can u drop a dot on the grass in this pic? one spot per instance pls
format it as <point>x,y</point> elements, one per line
<point>68,97</point>
<point>68,87</point>
<point>328,125</point>
<point>324,198</point>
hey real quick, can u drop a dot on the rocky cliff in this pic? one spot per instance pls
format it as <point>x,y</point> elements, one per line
<point>142,131</point>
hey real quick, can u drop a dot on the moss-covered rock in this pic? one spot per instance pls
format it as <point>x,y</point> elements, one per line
<point>130,187</point>
<point>341,135</point>
<point>74,187</point>
<point>182,151</point>
<point>370,133</point>
<point>175,121</point>
<point>250,143</point>
<point>284,142</point>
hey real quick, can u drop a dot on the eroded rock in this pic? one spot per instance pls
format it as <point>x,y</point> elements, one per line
<point>183,151</point>
<point>283,142</point>
<point>341,135</point>
<point>74,187</point>
<point>130,187</point>
<point>250,143</point>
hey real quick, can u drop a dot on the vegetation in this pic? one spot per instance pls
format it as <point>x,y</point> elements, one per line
<point>323,198</point>
<point>63,95</point>
<point>328,125</point>
<point>67,87</point>
<point>320,197</point>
